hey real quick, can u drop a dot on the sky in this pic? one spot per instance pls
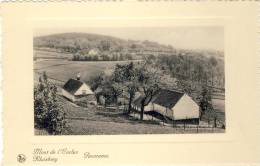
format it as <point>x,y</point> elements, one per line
<point>206,37</point>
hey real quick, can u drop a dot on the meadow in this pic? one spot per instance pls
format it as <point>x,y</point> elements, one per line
<point>63,69</point>
<point>101,121</point>
<point>42,54</point>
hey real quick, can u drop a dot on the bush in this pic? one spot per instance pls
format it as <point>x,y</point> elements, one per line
<point>48,113</point>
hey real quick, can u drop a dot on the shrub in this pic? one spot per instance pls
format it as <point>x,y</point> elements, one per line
<point>48,113</point>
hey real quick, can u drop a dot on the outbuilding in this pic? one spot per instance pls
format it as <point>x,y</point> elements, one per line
<point>171,104</point>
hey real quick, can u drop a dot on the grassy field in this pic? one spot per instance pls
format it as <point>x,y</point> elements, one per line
<point>63,69</point>
<point>42,54</point>
<point>100,121</point>
<point>219,104</point>
<point>83,127</point>
<point>219,107</point>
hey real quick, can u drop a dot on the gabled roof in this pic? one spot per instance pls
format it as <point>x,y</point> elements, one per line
<point>72,85</point>
<point>167,98</point>
<point>163,97</point>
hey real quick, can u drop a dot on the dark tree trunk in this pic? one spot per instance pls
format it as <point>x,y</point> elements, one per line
<point>212,79</point>
<point>144,103</point>
<point>142,110</point>
<point>130,104</point>
<point>215,122</point>
<point>117,106</point>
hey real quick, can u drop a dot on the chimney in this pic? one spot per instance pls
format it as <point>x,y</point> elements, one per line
<point>78,76</point>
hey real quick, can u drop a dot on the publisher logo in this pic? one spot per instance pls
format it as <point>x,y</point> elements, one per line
<point>21,158</point>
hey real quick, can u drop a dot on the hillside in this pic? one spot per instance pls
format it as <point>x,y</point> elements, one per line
<point>84,42</point>
<point>187,65</point>
<point>75,40</point>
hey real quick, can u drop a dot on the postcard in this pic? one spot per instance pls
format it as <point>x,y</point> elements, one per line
<point>130,83</point>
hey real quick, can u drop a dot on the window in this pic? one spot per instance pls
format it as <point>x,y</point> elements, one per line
<point>84,92</point>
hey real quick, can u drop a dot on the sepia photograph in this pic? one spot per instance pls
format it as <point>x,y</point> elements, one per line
<point>129,80</point>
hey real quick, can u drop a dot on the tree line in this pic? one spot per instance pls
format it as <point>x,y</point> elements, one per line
<point>193,71</point>
<point>145,79</point>
<point>102,57</point>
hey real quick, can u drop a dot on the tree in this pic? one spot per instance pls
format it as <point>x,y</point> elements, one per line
<point>48,113</point>
<point>76,57</point>
<point>126,75</point>
<point>96,81</point>
<point>114,57</point>
<point>205,101</point>
<point>121,57</point>
<point>104,45</point>
<point>95,58</point>
<point>148,83</point>
<point>111,90</point>
<point>129,57</point>
<point>213,63</point>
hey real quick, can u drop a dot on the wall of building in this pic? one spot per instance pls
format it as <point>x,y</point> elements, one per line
<point>67,95</point>
<point>186,108</point>
<point>84,87</point>
<point>87,99</point>
<point>163,110</point>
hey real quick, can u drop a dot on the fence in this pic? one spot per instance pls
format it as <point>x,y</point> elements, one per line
<point>210,125</point>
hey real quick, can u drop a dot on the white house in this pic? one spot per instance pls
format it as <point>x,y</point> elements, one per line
<point>76,90</point>
<point>93,52</point>
<point>172,104</point>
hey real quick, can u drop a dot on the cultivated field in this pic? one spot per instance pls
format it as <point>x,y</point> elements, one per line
<point>63,69</point>
<point>42,54</point>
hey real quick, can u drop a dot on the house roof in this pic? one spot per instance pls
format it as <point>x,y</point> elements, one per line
<point>72,85</point>
<point>167,98</point>
<point>163,97</point>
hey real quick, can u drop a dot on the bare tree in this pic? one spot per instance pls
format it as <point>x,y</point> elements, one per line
<point>149,78</point>
<point>126,75</point>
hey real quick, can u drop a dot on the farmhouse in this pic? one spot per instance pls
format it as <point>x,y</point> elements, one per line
<point>93,52</point>
<point>76,90</point>
<point>171,104</point>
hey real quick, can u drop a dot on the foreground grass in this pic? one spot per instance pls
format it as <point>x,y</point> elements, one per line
<point>101,121</point>
<point>86,127</point>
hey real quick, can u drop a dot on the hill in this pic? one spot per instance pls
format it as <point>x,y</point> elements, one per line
<point>84,42</point>
<point>102,47</point>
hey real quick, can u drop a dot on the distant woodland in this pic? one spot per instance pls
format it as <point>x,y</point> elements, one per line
<point>190,68</point>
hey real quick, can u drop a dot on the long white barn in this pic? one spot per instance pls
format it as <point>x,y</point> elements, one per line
<point>172,104</point>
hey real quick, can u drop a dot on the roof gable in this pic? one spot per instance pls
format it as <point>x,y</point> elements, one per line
<point>163,97</point>
<point>72,85</point>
